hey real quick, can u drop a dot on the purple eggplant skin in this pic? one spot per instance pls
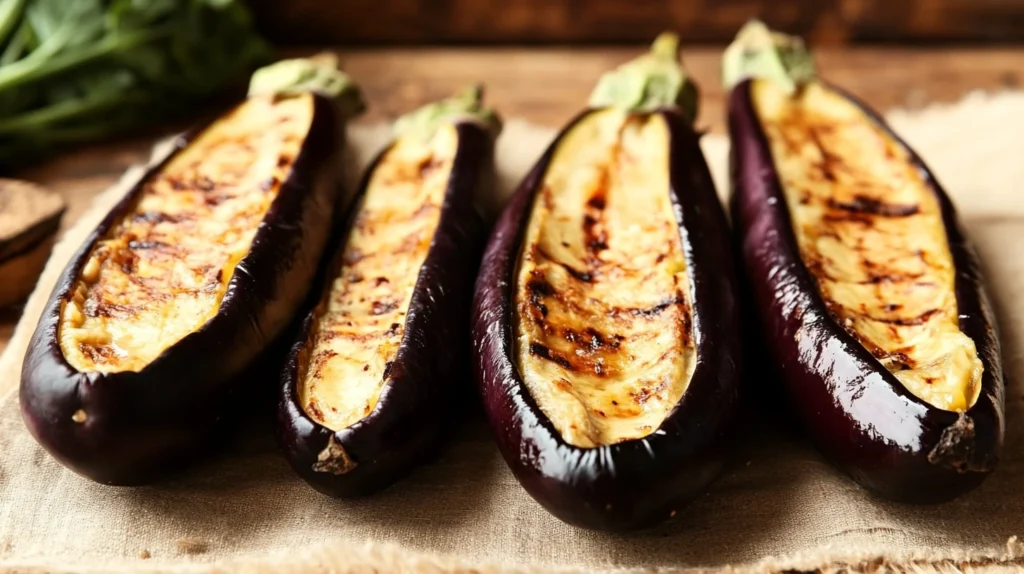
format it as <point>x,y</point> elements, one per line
<point>635,483</point>
<point>859,415</point>
<point>415,407</point>
<point>141,425</point>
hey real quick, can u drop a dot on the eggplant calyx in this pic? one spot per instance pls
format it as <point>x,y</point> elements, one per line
<point>334,459</point>
<point>760,52</point>
<point>466,104</point>
<point>652,81</point>
<point>956,449</point>
<point>318,74</point>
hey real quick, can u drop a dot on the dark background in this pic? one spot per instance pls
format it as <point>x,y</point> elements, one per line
<point>823,22</point>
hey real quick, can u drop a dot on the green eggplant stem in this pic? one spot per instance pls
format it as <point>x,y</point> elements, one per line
<point>319,74</point>
<point>466,104</point>
<point>759,52</point>
<point>654,80</point>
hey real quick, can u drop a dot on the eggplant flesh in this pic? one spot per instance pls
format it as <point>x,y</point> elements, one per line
<point>598,306</point>
<point>357,335</point>
<point>870,231</point>
<point>871,299</point>
<point>143,344</point>
<point>368,385</point>
<point>604,327</point>
<point>164,268</point>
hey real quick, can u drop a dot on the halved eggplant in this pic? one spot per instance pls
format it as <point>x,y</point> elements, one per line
<point>186,280</point>
<point>606,322</point>
<point>368,386</point>
<point>870,297</point>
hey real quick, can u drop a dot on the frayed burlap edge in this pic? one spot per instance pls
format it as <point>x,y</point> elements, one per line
<point>340,558</point>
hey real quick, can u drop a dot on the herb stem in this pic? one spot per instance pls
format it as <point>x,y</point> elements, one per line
<point>61,111</point>
<point>30,69</point>
<point>10,15</point>
<point>16,46</point>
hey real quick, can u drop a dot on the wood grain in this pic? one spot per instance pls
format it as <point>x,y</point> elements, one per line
<point>547,21</point>
<point>548,86</point>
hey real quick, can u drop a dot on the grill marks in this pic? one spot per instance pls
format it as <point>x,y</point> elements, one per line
<point>851,209</point>
<point>383,295</point>
<point>872,207</point>
<point>601,304</point>
<point>642,395</point>
<point>539,350</point>
<point>538,288</point>
<point>648,312</point>
<point>363,316</point>
<point>162,269</point>
<point>156,217</point>
<point>595,233</point>
<point>99,353</point>
<point>588,351</point>
<point>317,364</point>
<point>320,360</point>
<point>585,276</point>
<point>920,319</point>
<point>870,232</point>
<point>94,308</point>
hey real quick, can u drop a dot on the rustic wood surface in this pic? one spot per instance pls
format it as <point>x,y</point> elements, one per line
<point>547,86</point>
<point>546,21</point>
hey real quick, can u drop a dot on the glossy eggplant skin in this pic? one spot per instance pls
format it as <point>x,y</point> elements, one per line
<point>415,407</point>
<point>859,415</point>
<point>634,483</point>
<point>142,424</point>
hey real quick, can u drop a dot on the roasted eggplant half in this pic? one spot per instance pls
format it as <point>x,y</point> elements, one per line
<point>606,326</point>
<point>870,297</point>
<point>186,280</point>
<point>368,386</point>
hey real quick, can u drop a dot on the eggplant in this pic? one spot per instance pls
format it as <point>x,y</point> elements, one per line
<point>870,297</point>
<point>606,324</point>
<point>368,388</point>
<point>139,350</point>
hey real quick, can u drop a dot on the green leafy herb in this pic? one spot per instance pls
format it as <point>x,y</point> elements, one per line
<point>75,71</point>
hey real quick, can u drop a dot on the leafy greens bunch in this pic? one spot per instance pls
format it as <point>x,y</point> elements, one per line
<point>78,70</point>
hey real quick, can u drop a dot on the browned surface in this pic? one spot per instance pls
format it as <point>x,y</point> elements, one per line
<point>602,324</point>
<point>154,278</point>
<point>548,86</point>
<point>539,21</point>
<point>361,322</point>
<point>870,230</point>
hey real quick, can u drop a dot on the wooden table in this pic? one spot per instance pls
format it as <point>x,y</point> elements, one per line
<point>548,85</point>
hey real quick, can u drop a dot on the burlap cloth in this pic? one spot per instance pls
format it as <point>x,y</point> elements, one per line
<point>780,506</point>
